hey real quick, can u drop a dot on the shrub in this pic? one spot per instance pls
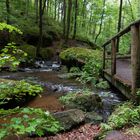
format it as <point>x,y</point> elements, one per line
<point>11,57</point>
<point>28,121</point>
<point>17,90</point>
<point>125,115</point>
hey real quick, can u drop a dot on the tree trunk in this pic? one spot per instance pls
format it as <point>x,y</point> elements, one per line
<point>8,11</point>
<point>68,19</point>
<point>40,29</point>
<point>36,9</point>
<point>119,23</point>
<point>75,20</point>
<point>55,9</point>
<point>102,17</point>
<point>64,19</point>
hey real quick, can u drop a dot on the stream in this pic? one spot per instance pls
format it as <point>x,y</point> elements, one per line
<point>55,87</point>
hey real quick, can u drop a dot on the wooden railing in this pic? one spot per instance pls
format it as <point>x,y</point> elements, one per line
<point>134,28</point>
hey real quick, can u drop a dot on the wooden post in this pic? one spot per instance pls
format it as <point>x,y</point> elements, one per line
<point>113,57</point>
<point>135,58</point>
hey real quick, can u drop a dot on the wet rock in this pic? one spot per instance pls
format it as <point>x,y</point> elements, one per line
<point>93,117</point>
<point>70,118</point>
<point>85,102</point>
<point>56,66</point>
<point>115,135</point>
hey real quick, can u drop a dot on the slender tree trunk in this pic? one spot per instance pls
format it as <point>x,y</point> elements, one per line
<point>55,9</point>
<point>48,1</point>
<point>8,11</point>
<point>58,12</point>
<point>64,19</point>
<point>102,17</point>
<point>36,9</point>
<point>40,29</point>
<point>119,23</point>
<point>75,20</point>
<point>133,18</point>
<point>68,19</point>
<point>27,8</point>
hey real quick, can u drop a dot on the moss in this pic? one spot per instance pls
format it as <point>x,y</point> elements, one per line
<point>83,54</point>
<point>77,57</point>
<point>84,100</point>
<point>46,53</point>
<point>30,50</point>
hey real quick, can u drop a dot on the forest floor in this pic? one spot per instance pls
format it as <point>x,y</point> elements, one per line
<point>84,132</point>
<point>88,132</point>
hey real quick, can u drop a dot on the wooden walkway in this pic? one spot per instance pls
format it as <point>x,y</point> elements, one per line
<point>124,72</point>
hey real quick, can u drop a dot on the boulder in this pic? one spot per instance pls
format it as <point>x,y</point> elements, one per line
<point>93,117</point>
<point>70,118</point>
<point>115,135</point>
<point>86,102</point>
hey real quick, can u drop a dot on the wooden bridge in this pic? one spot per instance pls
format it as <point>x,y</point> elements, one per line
<point>124,71</point>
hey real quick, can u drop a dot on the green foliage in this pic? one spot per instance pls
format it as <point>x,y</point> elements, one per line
<point>92,59</point>
<point>75,70</point>
<point>102,84</point>
<point>91,70</point>
<point>46,53</point>
<point>125,115</point>
<point>30,120</point>
<point>17,90</point>
<point>72,97</point>
<point>30,50</point>
<point>10,28</point>
<point>11,56</point>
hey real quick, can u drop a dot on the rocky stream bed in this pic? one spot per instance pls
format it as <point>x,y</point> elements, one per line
<point>80,125</point>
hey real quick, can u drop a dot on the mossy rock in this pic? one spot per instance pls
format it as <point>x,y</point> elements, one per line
<point>30,50</point>
<point>87,102</point>
<point>77,57</point>
<point>46,53</point>
<point>70,118</point>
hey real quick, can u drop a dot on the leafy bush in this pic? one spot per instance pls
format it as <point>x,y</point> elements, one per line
<point>102,84</point>
<point>30,50</point>
<point>75,70</point>
<point>33,121</point>
<point>17,90</point>
<point>11,56</point>
<point>125,115</point>
<point>10,28</point>
<point>92,59</point>
<point>9,33</point>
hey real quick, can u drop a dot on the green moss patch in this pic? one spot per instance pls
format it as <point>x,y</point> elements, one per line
<point>30,50</point>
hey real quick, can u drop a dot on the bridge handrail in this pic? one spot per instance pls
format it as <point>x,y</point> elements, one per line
<point>122,32</point>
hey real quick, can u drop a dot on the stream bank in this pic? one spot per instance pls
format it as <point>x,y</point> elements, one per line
<point>55,87</point>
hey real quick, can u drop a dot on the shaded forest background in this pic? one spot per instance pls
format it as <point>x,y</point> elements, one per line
<point>85,19</point>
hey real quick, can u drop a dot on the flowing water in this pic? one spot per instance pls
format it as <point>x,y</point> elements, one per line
<point>54,87</point>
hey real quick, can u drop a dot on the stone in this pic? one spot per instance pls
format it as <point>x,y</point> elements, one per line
<point>70,118</point>
<point>115,135</point>
<point>86,102</point>
<point>93,117</point>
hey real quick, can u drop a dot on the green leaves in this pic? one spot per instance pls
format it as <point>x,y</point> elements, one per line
<point>10,28</point>
<point>17,90</point>
<point>124,115</point>
<point>32,121</point>
<point>11,56</point>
